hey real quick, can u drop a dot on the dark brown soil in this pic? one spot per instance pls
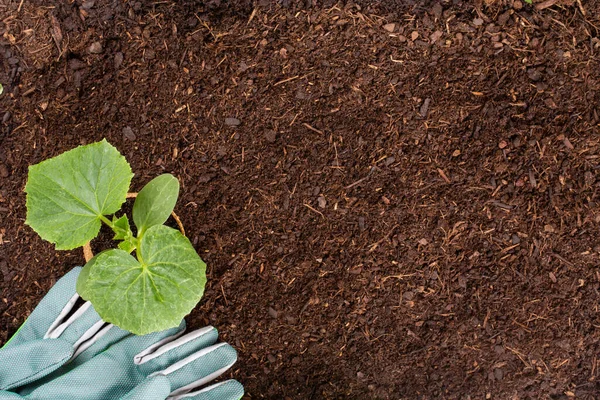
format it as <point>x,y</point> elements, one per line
<point>387,211</point>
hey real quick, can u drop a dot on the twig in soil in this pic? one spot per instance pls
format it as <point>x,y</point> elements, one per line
<point>520,355</point>
<point>581,7</point>
<point>87,253</point>
<point>376,244</point>
<point>317,211</point>
<point>252,15</point>
<point>286,80</point>
<point>567,262</point>
<point>509,248</point>
<point>401,276</point>
<point>23,125</point>
<point>224,297</point>
<point>521,325</point>
<point>358,182</point>
<point>312,129</point>
<point>501,205</point>
<point>443,175</point>
<point>179,224</point>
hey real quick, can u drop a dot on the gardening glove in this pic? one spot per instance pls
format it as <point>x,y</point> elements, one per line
<point>85,358</point>
<point>147,367</point>
<point>49,338</point>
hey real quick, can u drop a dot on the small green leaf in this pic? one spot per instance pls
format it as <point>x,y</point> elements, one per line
<point>69,194</point>
<point>123,232</point>
<point>1,88</point>
<point>121,228</point>
<point>155,202</point>
<point>129,244</point>
<point>151,294</point>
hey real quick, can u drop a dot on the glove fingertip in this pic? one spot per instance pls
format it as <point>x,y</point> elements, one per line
<point>227,390</point>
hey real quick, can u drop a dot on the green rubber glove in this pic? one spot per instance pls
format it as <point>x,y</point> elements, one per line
<point>61,353</point>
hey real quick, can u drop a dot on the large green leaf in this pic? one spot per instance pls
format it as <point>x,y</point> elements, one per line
<point>81,285</point>
<point>151,294</point>
<point>155,202</point>
<point>68,194</point>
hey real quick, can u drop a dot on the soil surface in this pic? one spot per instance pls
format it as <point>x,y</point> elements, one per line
<point>395,199</point>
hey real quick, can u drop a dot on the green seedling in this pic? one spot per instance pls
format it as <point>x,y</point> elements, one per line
<point>155,277</point>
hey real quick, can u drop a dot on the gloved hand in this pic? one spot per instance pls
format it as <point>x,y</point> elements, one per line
<point>61,353</point>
